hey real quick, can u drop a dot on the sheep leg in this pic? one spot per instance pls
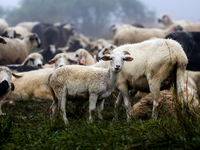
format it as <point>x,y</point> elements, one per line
<point>155,93</point>
<point>1,113</point>
<point>100,105</point>
<point>118,104</point>
<point>62,104</point>
<point>92,106</point>
<point>128,106</point>
<point>53,110</point>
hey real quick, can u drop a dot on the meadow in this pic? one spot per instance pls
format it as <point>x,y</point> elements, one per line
<point>27,125</point>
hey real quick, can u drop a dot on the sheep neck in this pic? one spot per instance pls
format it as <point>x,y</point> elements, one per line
<point>113,78</point>
<point>28,44</point>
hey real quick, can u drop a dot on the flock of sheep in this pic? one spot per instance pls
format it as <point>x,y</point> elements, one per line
<point>148,60</point>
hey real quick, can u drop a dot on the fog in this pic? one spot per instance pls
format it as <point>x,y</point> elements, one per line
<point>177,9</point>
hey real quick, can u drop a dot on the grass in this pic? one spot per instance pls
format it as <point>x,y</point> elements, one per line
<point>27,125</point>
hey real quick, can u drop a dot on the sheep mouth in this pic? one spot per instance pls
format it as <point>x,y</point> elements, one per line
<point>117,69</point>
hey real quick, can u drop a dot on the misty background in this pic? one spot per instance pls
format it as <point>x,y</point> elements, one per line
<point>94,17</point>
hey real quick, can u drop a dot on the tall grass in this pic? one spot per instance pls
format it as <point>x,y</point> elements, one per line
<point>28,126</point>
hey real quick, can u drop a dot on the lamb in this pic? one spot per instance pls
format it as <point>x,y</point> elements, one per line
<point>86,82</point>
<point>166,20</point>
<point>129,34</point>
<point>34,84</point>
<point>34,61</point>
<point>15,32</point>
<point>6,84</point>
<point>143,108</point>
<point>83,57</point>
<point>154,63</point>
<point>18,48</point>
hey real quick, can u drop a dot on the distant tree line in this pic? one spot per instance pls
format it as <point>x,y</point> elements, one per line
<point>91,17</point>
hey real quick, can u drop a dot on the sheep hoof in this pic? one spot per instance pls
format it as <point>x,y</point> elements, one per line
<point>2,114</point>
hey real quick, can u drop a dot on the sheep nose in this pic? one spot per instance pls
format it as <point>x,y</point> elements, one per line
<point>117,66</point>
<point>4,86</point>
<point>61,65</point>
<point>39,65</point>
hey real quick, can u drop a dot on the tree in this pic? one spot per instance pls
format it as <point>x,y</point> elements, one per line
<point>91,17</point>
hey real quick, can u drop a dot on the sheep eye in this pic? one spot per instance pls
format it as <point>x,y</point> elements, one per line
<point>111,59</point>
<point>76,55</point>
<point>31,59</point>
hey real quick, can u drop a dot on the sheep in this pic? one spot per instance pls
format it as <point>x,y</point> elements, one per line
<point>6,84</point>
<point>166,20</point>
<point>3,25</point>
<point>97,45</point>
<point>28,25</point>
<point>143,108</point>
<point>154,63</point>
<point>101,52</point>
<point>129,34</point>
<point>34,84</point>
<point>18,48</point>
<point>190,41</point>
<point>61,59</point>
<point>15,32</point>
<point>77,41</point>
<point>86,82</point>
<point>83,57</point>
<point>195,75</point>
<point>34,61</point>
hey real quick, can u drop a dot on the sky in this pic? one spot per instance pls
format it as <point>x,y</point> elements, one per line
<point>177,9</point>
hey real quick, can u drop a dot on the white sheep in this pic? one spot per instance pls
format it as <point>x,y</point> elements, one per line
<point>6,84</point>
<point>154,62</point>
<point>15,32</point>
<point>167,21</point>
<point>83,57</point>
<point>86,82</point>
<point>34,84</point>
<point>16,50</point>
<point>34,61</point>
<point>185,24</point>
<point>127,34</point>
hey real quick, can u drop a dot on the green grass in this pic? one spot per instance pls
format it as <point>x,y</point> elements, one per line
<point>28,126</point>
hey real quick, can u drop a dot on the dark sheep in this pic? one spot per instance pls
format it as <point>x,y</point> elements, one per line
<point>190,41</point>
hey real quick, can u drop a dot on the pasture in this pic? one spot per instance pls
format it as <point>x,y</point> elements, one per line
<point>27,125</point>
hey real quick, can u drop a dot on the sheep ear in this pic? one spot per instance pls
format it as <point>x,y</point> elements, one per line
<point>105,58</point>
<point>52,61</point>
<point>12,87</point>
<point>126,53</point>
<point>128,59</point>
<point>2,40</point>
<point>25,63</point>
<point>16,76</point>
<point>72,61</point>
<point>18,35</point>
<point>107,52</point>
